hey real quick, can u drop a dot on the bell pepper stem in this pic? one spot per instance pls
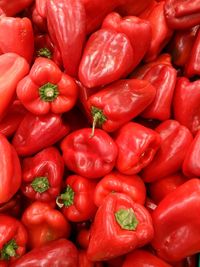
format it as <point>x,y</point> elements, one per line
<point>126,219</point>
<point>44,52</point>
<point>98,118</point>
<point>9,250</point>
<point>66,199</point>
<point>48,92</point>
<point>40,184</point>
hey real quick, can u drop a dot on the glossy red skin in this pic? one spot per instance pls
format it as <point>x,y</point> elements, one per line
<point>182,14</point>
<point>122,101</point>
<point>187,112</point>
<point>141,258</point>
<point>89,156</point>
<point>46,163</point>
<point>12,228</point>
<point>12,69</point>
<point>106,231</point>
<point>10,178</point>
<point>85,262</point>
<point>38,132</point>
<point>13,207</point>
<point>61,252</point>
<point>150,205</point>
<point>161,188</point>
<point>175,140</point>
<point>45,71</point>
<point>83,238</point>
<point>13,7</point>
<point>69,17</point>
<point>137,146</point>
<point>44,224</point>
<point>176,223</point>
<point>137,30</point>
<point>134,8</point>
<point>107,57</point>
<point>161,33</point>
<point>131,185</point>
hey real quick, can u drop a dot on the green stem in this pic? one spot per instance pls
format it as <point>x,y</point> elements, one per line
<point>44,52</point>
<point>98,118</point>
<point>9,250</point>
<point>126,219</point>
<point>48,92</point>
<point>40,184</point>
<point>66,199</point>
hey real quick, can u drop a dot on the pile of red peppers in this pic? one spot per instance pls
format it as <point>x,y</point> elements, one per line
<point>99,133</point>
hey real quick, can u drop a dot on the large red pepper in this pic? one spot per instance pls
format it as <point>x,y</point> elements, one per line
<point>176,223</point>
<point>77,200</point>
<point>12,69</point>
<point>131,185</point>
<point>13,7</point>
<point>44,224</point>
<point>69,17</point>
<point>120,102</point>
<point>175,139</point>
<point>10,170</point>
<point>38,132</point>
<point>46,89</point>
<point>13,239</point>
<point>137,146</point>
<point>92,156</point>
<point>42,175</point>
<point>186,103</point>
<point>120,225</point>
<point>61,252</point>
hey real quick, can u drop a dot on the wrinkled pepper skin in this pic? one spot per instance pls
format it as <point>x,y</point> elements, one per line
<point>16,36</point>
<point>77,200</point>
<point>182,14</point>
<point>13,238</point>
<point>44,224</point>
<point>176,223</point>
<point>137,146</point>
<point>187,112</point>
<point>69,17</point>
<point>61,252</point>
<point>12,69</point>
<point>91,156</point>
<point>38,132</point>
<point>42,175</point>
<point>131,185</point>
<point>10,175</point>
<point>107,57</point>
<point>141,258</point>
<point>121,222</point>
<point>46,89</point>
<point>175,140</point>
<point>120,102</point>
<point>13,7</point>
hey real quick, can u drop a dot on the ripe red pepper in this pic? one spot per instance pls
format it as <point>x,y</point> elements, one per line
<point>187,112</point>
<point>137,146</point>
<point>13,207</point>
<point>13,7</point>
<point>44,224</point>
<point>46,89</point>
<point>42,175</point>
<point>120,225</point>
<point>77,200</point>
<point>91,156</point>
<point>134,8</point>
<point>13,239</point>
<point>83,260</point>
<point>83,238</point>
<point>175,139</point>
<point>61,252</point>
<point>176,223</point>
<point>119,102</point>
<point>131,185</point>
<point>12,69</point>
<point>38,132</point>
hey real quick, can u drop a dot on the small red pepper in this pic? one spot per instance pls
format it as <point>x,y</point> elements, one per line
<point>13,7</point>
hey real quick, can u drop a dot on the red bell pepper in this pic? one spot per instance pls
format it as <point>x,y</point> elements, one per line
<point>141,258</point>
<point>10,177</point>
<point>13,207</point>
<point>12,69</point>
<point>137,146</point>
<point>69,17</point>
<point>134,8</point>
<point>119,102</point>
<point>131,185</point>
<point>61,252</point>
<point>83,260</point>
<point>42,175</point>
<point>39,22</point>
<point>13,239</point>
<point>83,238</point>
<point>77,200</point>
<point>175,139</point>
<point>44,224</point>
<point>182,14</point>
<point>13,7</point>
<point>176,223</point>
<point>186,103</point>
<point>120,225</point>
<point>46,89</point>
<point>38,132</point>
<point>87,155</point>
